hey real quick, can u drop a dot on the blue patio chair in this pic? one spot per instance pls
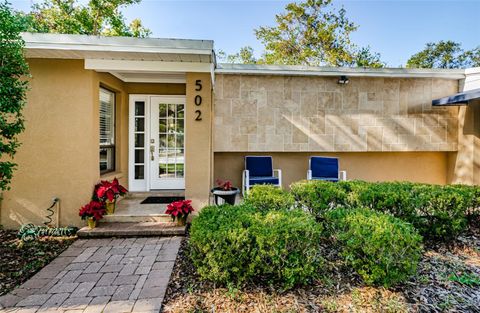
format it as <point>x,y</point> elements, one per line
<point>325,168</point>
<point>259,171</point>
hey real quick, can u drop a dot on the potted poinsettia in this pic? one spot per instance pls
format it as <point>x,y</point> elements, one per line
<point>226,191</point>
<point>109,192</point>
<point>92,212</point>
<point>179,211</point>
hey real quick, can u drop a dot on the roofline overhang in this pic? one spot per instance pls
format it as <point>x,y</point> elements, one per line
<point>116,44</point>
<point>461,98</point>
<point>294,70</point>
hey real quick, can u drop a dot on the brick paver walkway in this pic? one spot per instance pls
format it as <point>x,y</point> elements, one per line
<point>100,275</point>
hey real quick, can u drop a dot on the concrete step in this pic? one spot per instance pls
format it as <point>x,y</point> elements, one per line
<point>159,193</point>
<point>136,218</point>
<point>132,230</point>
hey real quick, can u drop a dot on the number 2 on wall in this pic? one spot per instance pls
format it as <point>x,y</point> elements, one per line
<point>199,115</point>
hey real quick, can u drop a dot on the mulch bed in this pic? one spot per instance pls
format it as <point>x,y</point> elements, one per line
<point>446,281</point>
<point>19,260</point>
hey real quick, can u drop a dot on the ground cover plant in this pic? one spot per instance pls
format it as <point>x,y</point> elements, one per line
<point>20,260</point>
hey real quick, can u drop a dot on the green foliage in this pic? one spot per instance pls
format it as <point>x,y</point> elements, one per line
<point>318,196</point>
<point>311,32</point>
<point>13,88</point>
<point>97,17</point>
<point>268,197</point>
<point>468,279</point>
<point>445,54</point>
<point>245,56</point>
<point>382,249</point>
<point>234,245</point>
<point>437,212</point>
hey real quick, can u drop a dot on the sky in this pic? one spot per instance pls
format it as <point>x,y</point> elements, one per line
<point>394,28</point>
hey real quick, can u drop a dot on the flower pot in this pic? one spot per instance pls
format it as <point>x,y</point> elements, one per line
<point>182,221</point>
<point>110,207</point>
<point>228,196</point>
<point>91,223</point>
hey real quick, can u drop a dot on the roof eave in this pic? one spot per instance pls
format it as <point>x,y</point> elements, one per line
<point>286,70</point>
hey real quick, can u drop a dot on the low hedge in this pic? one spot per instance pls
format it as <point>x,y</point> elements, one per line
<point>438,212</point>
<point>267,197</point>
<point>234,245</point>
<point>382,249</point>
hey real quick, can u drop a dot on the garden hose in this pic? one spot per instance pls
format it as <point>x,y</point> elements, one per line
<point>51,212</point>
<point>30,232</point>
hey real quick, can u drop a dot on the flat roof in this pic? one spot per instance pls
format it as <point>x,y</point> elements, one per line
<point>297,70</point>
<point>69,46</point>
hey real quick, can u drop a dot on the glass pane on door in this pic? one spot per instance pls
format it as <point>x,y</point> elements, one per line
<point>171,140</point>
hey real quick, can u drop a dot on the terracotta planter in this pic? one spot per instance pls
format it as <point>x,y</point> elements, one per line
<point>91,223</point>
<point>110,207</point>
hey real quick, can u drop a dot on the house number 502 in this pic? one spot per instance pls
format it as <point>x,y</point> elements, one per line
<point>198,100</point>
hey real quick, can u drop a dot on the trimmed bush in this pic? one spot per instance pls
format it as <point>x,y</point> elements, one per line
<point>437,212</point>
<point>267,197</point>
<point>318,197</point>
<point>382,249</point>
<point>234,245</point>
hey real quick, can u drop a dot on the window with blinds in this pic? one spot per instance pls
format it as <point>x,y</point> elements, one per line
<point>107,131</point>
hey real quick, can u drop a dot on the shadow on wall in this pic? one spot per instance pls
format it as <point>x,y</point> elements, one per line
<point>23,211</point>
<point>354,132</point>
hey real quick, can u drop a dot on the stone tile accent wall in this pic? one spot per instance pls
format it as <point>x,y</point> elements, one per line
<point>294,113</point>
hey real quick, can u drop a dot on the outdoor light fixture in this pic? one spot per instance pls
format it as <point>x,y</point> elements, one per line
<point>343,80</point>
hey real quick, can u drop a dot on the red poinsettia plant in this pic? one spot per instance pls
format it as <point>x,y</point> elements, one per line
<point>94,209</point>
<point>224,185</point>
<point>180,209</point>
<point>110,191</point>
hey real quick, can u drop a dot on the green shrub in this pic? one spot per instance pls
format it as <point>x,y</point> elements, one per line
<point>234,245</point>
<point>318,197</point>
<point>382,249</point>
<point>437,212</point>
<point>441,211</point>
<point>221,245</point>
<point>288,244</point>
<point>267,197</point>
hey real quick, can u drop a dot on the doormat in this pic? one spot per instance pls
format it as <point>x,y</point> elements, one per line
<point>153,200</point>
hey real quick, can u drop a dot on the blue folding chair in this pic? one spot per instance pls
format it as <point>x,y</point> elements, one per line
<point>325,168</point>
<point>259,171</point>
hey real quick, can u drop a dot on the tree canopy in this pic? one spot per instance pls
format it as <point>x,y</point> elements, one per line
<point>311,32</point>
<point>97,17</point>
<point>13,87</point>
<point>445,54</point>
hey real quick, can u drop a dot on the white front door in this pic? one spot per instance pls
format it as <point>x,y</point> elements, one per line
<point>157,133</point>
<point>167,140</point>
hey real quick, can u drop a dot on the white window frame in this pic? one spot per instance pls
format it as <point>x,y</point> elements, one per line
<point>112,144</point>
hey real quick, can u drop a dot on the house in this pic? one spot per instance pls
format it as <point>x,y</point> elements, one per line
<point>161,114</point>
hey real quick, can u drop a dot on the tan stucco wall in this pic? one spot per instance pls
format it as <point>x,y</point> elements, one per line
<point>59,153</point>
<point>291,113</point>
<point>198,141</point>
<point>425,167</point>
<point>56,158</point>
<point>464,165</point>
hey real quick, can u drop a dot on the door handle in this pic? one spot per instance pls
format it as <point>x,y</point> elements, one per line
<point>152,152</point>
